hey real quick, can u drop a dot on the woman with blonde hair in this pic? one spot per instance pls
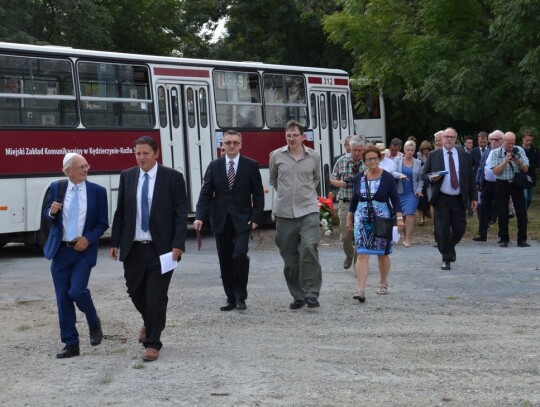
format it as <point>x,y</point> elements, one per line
<point>409,188</point>
<point>374,192</point>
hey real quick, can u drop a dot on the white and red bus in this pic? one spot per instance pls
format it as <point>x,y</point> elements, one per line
<point>369,114</point>
<point>55,100</point>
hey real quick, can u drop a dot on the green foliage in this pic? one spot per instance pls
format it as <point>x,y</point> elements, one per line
<point>474,64</point>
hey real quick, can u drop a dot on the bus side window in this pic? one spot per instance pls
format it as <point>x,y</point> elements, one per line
<point>322,105</point>
<point>313,107</point>
<point>162,106</point>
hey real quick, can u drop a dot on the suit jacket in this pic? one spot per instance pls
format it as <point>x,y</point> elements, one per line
<point>168,214</point>
<point>476,155</point>
<point>479,174</point>
<point>245,200</point>
<point>435,162</point>
<point>418,182</point>
<point>95,224</point>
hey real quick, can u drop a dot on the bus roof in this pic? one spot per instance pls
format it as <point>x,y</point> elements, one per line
<point>81,53</point>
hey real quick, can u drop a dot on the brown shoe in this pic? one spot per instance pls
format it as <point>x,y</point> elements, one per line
<point>150,354</point>
<point>347,263</point>
<point>142,334</point>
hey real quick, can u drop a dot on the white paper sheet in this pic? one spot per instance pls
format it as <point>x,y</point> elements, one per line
<point>167,262</point>
<point>395,234</point>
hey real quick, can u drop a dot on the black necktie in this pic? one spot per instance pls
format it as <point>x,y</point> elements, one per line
<point>230,174</point>
<point>453,174</point>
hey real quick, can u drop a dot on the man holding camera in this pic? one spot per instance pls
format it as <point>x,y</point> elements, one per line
<point>346,168</point>
<point>506,161</point>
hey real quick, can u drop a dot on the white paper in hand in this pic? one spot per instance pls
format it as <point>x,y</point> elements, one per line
<point>167,262</point>
<point>395,234</point>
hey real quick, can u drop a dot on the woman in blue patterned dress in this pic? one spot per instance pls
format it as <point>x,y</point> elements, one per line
<point>383,190</point>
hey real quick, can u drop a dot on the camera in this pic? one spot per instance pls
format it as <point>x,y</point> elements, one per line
<point>515,153</point>
<point>350,180</point>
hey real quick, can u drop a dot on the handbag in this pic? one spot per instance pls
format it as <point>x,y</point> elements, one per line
<point>522,180</point>
<point>382,227</point>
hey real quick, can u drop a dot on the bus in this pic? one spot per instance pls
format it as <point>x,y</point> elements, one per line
<point>369,114</point>
<point>55,100</point>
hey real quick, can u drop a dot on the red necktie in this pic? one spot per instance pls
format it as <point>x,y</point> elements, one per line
<point>453,174</point>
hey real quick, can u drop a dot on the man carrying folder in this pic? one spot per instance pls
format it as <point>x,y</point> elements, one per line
<point>232,187</point>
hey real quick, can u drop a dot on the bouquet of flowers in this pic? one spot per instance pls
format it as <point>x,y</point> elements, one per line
<point>326,212</point>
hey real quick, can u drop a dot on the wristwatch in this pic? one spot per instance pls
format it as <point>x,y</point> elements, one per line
<point>400,218</point>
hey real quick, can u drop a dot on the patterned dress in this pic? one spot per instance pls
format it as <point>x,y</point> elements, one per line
<point>364,240</point>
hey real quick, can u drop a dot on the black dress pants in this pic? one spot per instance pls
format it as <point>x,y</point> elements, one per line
<point>505,190</point>
<point>450,224</point>
<point>148,288</point>
<point>232,248</point>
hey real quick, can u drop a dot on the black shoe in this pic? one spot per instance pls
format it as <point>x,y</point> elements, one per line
<point>69,352</point>
<point>312,302</point>
<point>445,265</point>
<point>453,257</point>
<point>241,305</point>
<point>96,335</point>
<point>523,244</point>
<point>479,239</point>
<point>297,304</point>
<point>503,244</point>
<point>499,241</point>
<point>228,307</point>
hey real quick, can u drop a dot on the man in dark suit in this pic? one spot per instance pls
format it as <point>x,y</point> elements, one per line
<point>451,194</point>
<point>478,152</point>
<point>232,187</point>
<point>78,212</point>
<point>150,221</point>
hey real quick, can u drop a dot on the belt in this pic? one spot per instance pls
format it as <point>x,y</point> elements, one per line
<point>143,242</point>
<point>506,180</point>
<point>450,196</point>
<point>68,244</point>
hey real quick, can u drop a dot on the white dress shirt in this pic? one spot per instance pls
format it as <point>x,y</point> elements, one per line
<point>446,186</point>
<point>139,233</point>
<point>70,192</point>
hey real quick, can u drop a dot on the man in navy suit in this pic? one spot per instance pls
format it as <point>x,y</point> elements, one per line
<point>451,194</point>
<point>78,212</point>
<point>150,220</point>
<point>478,152</point>
<point>232,187</point>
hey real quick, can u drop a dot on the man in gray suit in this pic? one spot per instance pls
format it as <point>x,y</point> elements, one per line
<point>451,194</point>
<point>150,220</point>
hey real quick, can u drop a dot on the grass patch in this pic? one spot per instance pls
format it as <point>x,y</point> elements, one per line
<point>22,328</point>
<point>451,298</point>
<point>107,378</point>
<point>139,365</point>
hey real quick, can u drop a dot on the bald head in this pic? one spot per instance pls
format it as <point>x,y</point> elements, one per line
<point>509,140</point>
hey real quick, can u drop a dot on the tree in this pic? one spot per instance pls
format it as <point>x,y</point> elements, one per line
<point>452,58</point>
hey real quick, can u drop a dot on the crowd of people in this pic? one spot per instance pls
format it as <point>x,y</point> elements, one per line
<point>374,185</point>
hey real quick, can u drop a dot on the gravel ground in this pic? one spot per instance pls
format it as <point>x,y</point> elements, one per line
<point>464,337</point>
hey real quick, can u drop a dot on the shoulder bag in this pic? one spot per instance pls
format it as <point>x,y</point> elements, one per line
<point>382,227</point>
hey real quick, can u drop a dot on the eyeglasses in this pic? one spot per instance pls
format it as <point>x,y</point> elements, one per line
<point>496,139</point>
<point>372,159</point>
<point>82,167</point>
<point>232,143</point>
<point>449,137</point>
<point>291,136</point>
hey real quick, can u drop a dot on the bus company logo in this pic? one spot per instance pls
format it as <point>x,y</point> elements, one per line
<point>15,152</point>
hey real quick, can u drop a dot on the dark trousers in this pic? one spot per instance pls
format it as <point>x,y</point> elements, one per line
<point>232,248</point>
<point>504,191</point>
<point>450,224</point>
<point>487,209</point>
<point>70,273</point>
<point>148,288</point>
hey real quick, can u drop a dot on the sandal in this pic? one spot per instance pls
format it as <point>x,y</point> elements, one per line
<point>383,289</point>
<point>360,296</point>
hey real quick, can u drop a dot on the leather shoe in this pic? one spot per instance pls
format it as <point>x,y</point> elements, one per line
<point>297,304</point>
<point>69,352</point>
<point>503,244</point>
<point>347,263</point>
<point>241,305</point>
<point>523,244</point>
<point>480,239</point>
<point>96,335</point>
<point>228,307</point>
<point>312,302</point>
<point>142,334</point>
<point>445,265</point>
<point>150,354</point>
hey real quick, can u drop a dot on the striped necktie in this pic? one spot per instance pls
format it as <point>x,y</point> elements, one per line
<point>230,174</point>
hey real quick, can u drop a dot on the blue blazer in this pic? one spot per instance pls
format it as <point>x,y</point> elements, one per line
<point>96,223</point>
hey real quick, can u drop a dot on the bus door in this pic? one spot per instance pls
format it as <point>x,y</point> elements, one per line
<point>331,125</point>
<point>185,133</point>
